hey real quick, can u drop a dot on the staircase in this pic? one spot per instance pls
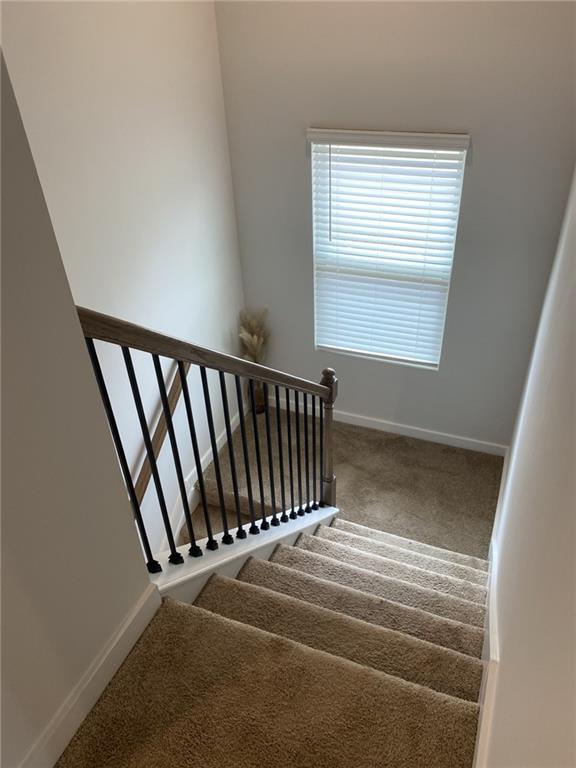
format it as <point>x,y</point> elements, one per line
<point>334,645</point>
<point>352,647</point>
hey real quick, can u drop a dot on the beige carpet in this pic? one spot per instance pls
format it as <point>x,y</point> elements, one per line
<point>381,585</point>
<point>362,605</point>
<point>406,556</point>
<point>376,647</point>
<point>431,493</point>
<point>463,590</point>
<point>445,555</point>
<point>202,691</point>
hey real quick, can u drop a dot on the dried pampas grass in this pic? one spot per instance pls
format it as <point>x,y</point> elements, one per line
<point>253,335</point>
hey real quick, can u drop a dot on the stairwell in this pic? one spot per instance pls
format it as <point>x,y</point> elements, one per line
<point>352,647</point>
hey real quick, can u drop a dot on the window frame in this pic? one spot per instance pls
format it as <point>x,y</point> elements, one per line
<point>393,140</point>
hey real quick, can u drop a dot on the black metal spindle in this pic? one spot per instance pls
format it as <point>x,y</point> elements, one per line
<point>211,544</point>
<point>314,457</point>
<point>293,514</point>
<point>253,527</point>
<point>152,564</point>
<point>308,507</point>
<point>240,533</point>
<point>194,550</point>
<point>175,557</point>
<point>227,538</point>
<point>283,517</point>
<point>264,525</point>
<point>321,453</point>
<point>274,521</point>
<point>298,452</point>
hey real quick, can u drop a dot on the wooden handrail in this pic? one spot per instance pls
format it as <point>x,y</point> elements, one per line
<point>96,325</point>
<point>128,336</point>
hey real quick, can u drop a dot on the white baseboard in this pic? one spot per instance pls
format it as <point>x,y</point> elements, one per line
<point>491,659</point>
<point>371,422</point>
<point>406,430</point>
<point>487,697</point>
<point>487,705</point>
<point>55,738</point>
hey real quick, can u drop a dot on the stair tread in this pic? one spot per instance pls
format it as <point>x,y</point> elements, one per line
<point>408,556</point>
<point>430,579</point>
<point>361,605</point>
<point>200,689</point>
<point>379,584</point>
<point>380,648</point>
<point>417,546</point>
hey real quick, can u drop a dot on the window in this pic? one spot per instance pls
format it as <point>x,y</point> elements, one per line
<point>385,210</point>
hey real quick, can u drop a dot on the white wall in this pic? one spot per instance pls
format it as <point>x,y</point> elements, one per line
<point>71,565</point>
<point>534,546</point>
<point>123,106</point>
<point>503,72</point>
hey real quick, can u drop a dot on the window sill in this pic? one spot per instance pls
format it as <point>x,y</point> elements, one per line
<point>433,367</point>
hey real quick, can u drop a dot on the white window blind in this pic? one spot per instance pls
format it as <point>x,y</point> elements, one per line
<point>385,210</point>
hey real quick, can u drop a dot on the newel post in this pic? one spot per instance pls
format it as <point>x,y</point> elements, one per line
<point>328,494</point>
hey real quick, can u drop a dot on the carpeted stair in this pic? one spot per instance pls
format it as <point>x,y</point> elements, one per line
<point>444,555</point>
<point>365,606</point>
<point>346,650</point>
<point>379,584</point>
<point>372,646</point>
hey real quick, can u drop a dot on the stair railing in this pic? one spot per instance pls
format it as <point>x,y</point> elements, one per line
<point>309,481</point>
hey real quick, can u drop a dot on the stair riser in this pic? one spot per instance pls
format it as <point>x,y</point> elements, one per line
<point>361,605</point>
<point>454,587</point>
<point>407,556</point>
<point>416,546</point>
<point>392,589</point>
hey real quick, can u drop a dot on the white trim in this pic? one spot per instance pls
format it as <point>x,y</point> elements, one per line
<point>184,582</point>
<point>491,658</point>
<point>458,441</point>
<point>447,141</point>
<point>486,717</point>
<point>57,734</point>
<point>491,651</point>
<point>404,361</point>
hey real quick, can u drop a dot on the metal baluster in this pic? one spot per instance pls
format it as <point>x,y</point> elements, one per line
<point>175,557</point>
<point>293,514</point>
<point>314,458</point>
<point>298,452</point>
<point>240,533</point>
<point>194,550</point>
<point>211,544</point>
<point>308,507</point>
<point>152,564</point>
<point>227,537</point>
<point>274,520</point>
<point>253,527</point>
<point>283,517</point>
<point>264,525</point>
<point>321,451</point>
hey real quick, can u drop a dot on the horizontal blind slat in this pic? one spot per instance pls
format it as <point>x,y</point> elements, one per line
<point>385,222</point>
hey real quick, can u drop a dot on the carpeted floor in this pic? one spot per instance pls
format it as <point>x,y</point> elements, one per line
<point>425,491</point>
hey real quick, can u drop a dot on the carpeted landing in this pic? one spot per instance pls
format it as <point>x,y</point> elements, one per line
<point>416,489</point>
<point>350,649</point>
